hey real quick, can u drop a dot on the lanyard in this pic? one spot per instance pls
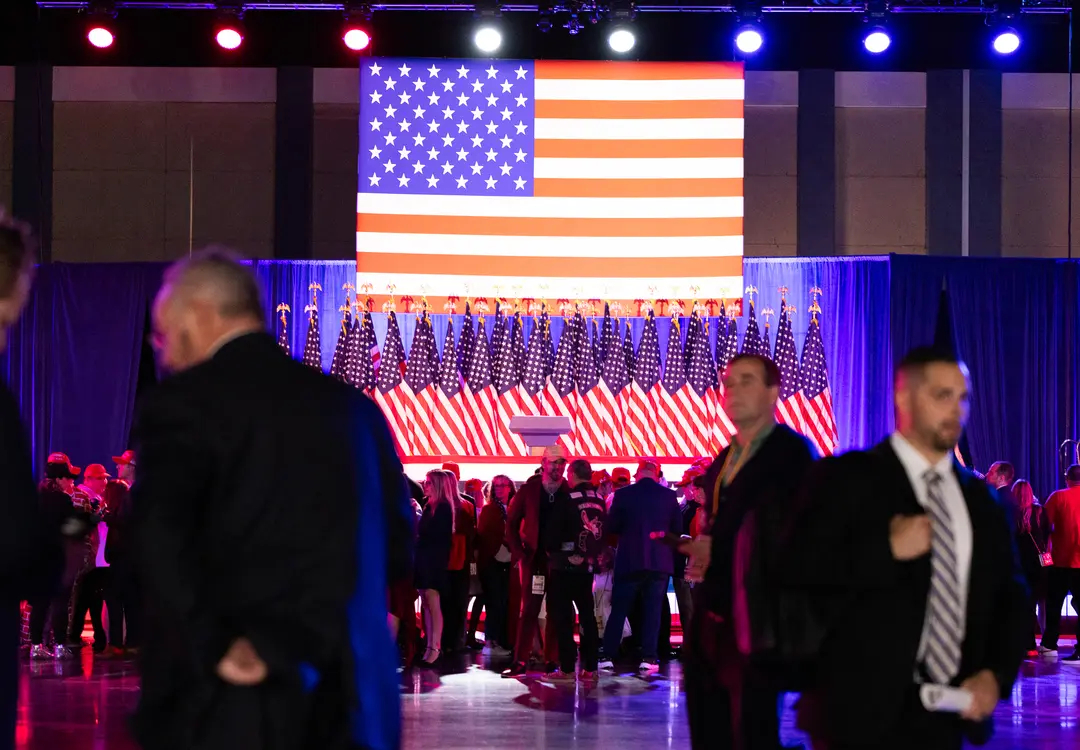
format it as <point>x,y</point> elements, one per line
<point>744,456</point>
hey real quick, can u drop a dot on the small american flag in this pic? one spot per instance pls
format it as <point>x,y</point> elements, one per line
<point>507,380</point>
<point>366,352</point>
<point>283,332</point>
<point>673,403</point>
<point>615,384</point>
<point>751,343</point>
<point>482,396</point>
<point>598,350</point>
<point>534,370</point>
<point>766,348</point>
<point>560,396</point>
<point>466,343</point>
<point>815,397</point>
<point>731,347</point>
<point>390,391</point>
<point>499,331</point>
<point>788,408</point>
<point>448,417</point>
<point>723,429</point>
<point>701,377</point>
<point>641,405</point>
<point>420,376</point>
<point>592,411</point>
<point>628,351</point>
<point>313,342</point>
<point>340,360</point>
<point>352,346</point>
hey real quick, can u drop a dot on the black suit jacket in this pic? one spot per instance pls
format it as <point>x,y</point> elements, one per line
<point>31,555</point>
<point>246,517</point>
<point>875,605</point>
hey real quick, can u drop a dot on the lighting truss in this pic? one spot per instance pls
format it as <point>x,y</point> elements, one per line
<point>677,6</point>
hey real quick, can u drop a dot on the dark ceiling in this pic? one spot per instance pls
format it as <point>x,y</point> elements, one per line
<point>921,41</point>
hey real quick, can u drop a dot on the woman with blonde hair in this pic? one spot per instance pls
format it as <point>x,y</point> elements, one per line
<point>433,555</point>
<point>1031,535</point>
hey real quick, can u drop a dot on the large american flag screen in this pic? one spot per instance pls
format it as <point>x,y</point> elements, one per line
<point>609,180</point>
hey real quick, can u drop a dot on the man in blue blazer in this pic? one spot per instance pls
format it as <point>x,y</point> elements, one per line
<point>641,564</point>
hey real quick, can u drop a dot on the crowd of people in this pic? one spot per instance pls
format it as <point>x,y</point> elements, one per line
<point>266,583</point>
<point>98,577</point>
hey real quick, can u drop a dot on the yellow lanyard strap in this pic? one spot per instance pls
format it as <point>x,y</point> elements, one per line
<point>724,478</point>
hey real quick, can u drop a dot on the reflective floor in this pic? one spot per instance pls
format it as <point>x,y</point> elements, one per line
<point>82,704</point>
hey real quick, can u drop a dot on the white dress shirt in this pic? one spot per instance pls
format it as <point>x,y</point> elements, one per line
<point>916,466</point>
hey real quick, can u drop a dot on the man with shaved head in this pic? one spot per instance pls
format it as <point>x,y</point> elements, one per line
<point>265,581</point>
<point>912,563</point>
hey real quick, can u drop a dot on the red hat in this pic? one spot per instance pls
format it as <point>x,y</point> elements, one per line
<point>620,476</point>
<point>96,471</point>
<point>599,477</point>
<point>473,485</point>
<point>127,459</point>
<point>689,476</point>
<point>453,468</point>
<point>61,458</point>
<point>649,464</point>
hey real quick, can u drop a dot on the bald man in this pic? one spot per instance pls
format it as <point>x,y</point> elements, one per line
<point>265,580</point>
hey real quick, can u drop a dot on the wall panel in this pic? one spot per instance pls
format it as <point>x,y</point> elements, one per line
<point>336,147</point>
<point>770,184</point>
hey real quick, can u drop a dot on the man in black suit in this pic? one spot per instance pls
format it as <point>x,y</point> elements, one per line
<point>30,540</point>
<point>735,671</point>
<point>911,560</point>
<point>270,514</point>
<point>1000,476</point>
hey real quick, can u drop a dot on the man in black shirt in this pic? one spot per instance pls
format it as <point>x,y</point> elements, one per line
<point>575,540</point>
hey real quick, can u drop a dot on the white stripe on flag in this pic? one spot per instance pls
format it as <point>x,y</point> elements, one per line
<point>673,129</point>
<point>599,89</point>
<point>552,208</point>
<point>523,247</point>
<point>638,169</point>
<point>438,285</point>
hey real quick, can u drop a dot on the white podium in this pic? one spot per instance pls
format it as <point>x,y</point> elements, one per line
<point>539,432</point>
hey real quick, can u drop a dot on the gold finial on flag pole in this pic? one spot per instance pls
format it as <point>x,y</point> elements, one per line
<point>783,291</point>
<point>315,287</point>
<point>814,310</point>
<point>767,313</point>
<point>451,304</point>
<point>310,310</point>
<point>283,309</point>
<point>751,290</point>
<point>344,310</point>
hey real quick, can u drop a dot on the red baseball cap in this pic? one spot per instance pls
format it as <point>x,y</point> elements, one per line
<point>126,459</point>
<point>96,471</point>
<point>649,464</point>
<point>453,468</point>
<point>620,476</point>
<point>473,485</point>
<point>689,476</point>
<point>61,458</point>
<point>599,477</point>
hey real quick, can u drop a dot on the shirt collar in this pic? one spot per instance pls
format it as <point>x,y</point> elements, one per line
<point>915,463</point>
<point>759,438</point>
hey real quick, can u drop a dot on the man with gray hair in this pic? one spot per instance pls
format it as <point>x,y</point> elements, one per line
<point>265,582</point>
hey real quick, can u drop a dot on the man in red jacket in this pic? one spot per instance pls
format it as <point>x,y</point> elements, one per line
<point>526,520</point>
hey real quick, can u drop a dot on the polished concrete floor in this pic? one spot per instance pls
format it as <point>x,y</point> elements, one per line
<point>82,704</point>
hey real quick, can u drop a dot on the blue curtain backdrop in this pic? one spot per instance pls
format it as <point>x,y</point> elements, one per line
<point>72,359</point>
<point>1015,324</point>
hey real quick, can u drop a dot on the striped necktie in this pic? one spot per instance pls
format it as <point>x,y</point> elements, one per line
<point>944,618</point>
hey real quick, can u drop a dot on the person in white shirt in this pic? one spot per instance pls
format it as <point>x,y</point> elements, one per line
<point>92,584</point>
<point>912,562</point>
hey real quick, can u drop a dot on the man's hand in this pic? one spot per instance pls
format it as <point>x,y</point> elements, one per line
<point>699,551</point>
<point>241,665</point>
<point>984,687</point>
<point>909,536</point>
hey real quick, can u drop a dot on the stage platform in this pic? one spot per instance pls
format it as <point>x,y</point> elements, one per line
<point>83,704</point>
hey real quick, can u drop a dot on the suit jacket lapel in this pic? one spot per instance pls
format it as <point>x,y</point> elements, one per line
<point>894,475</point>
<point>977,577</point>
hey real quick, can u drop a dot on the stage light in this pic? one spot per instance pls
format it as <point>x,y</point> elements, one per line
<point>229,38</point>
<point>100,36</point>
<point>877,40</point>
<point>99,30</point>
<point>1006,40</point>
<point>749,39</point>
<point>621,40</point>
<point>487,38</point>
<point>356,39</point>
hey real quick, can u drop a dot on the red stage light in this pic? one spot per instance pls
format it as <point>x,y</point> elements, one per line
<point>356,39</point>
<point>229,38</point>
<point>100,37</point>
